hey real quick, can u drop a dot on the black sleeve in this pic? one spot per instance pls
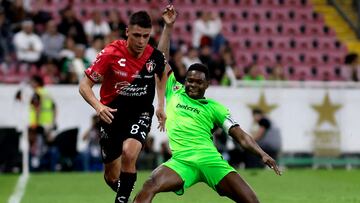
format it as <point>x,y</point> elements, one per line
<point>265,123</point>
<point>178,77</point>
<point>160,62</point>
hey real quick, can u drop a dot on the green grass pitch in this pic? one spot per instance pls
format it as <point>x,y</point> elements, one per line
<point>295,186</point>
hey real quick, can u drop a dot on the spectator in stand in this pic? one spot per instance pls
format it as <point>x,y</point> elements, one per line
<point>267,136</point>
<point>68,51</point>
<point>207,30</point>
<point>96,26</point>
<point>40,15</point>
<point>252,73</point>
<point>28,45</point>
<point>191,57</point>
<point>50,72</point>
<point>16,13</point>
<point>70,26</point>
<point>96,46</point>
<point>352,60</point>
<point>92,154</point>
<point>165,151</point>
<point>228,66</point>
<point>206,58</point>
<point>53,41</point>
<point>117,24</point>
<point>5,38</point>
<point>42,122</point>
<point>277,73</point>
<point>147,157</point>
<point>74,68</point>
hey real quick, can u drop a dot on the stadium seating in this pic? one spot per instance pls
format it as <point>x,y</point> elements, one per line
<point>261,31</point>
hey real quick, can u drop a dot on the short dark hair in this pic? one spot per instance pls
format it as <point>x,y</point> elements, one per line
<point>140,18</point>
<point>200,67</point>
<point>38,79</point>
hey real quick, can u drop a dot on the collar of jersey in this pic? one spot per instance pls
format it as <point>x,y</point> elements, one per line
<point>202,100</point>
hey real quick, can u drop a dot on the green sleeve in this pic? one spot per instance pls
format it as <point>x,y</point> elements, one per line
<point>172,86</point>
<point>223,118</point>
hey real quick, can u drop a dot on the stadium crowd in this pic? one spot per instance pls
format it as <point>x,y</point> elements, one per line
<point>60,47</point>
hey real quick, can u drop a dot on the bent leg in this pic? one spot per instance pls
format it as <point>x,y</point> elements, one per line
<point>234,187</point>
<point>163,179</point>
<point>130,152</point>
<point>112,173</point>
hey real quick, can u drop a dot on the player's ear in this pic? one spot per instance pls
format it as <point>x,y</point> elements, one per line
<point>127,32</point>
<point>207,84</point>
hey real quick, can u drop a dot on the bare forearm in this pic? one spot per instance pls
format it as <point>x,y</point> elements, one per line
<point>164,42</point>
<point>246,141</point>
<point>160,88</point>
<point>86,92</point>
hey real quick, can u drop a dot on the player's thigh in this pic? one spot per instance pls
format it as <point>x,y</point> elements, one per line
<point>137,126</point>
<point>164,179</point>
<point>236,188</point>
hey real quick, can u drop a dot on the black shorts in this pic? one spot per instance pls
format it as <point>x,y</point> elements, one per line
<point>125,125</point>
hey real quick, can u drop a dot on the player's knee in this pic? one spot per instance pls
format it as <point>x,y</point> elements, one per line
<point>128,156</point>
<point>151,186</point>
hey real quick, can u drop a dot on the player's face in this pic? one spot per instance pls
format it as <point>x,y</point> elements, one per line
<point>196,84</point>
<point>138,38</point>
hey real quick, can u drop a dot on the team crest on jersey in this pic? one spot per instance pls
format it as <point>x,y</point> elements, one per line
<point>150,66</point>
<point>95,76</point>
<point>176,87</point>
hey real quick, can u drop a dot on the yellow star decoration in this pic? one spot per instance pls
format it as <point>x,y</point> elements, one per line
<point>263,105</point>
<point>326,111</point>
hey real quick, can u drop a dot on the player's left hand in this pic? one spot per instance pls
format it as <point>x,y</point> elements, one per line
<point>161,116</point>
<point>271,163</point>
<point>169,15</point>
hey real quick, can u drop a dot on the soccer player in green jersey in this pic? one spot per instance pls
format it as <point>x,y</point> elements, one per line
<point>190,119</point>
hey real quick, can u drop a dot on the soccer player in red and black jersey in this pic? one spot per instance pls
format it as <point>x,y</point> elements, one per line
<point>129,70</point>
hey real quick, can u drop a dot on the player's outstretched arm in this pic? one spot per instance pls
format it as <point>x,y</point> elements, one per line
<point>169,17</point>
<point>249,144</point>
<point>104,112</point>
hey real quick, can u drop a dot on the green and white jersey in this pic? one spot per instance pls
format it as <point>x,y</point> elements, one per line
<point>190,121</point>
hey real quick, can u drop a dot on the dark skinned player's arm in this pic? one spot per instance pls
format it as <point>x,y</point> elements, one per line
<point>246,141</point>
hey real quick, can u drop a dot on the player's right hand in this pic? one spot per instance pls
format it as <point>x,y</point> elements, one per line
<point>105,113</point>
<point>271,163</point>
<point>169,15</point>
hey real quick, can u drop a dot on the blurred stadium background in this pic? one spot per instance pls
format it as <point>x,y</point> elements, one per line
<point>296,60</point>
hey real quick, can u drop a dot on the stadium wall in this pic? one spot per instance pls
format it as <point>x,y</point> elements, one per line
<point>309,117</point>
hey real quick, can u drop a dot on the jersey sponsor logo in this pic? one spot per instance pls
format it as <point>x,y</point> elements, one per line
<point>150,65</point>
<point>121,73</point>
<point>188,108</point>
<point>148,76</point>
<point>121,62</point>
<point>136,76</point>
<point>126,89</point>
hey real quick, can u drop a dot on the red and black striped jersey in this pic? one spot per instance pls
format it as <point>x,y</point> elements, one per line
<point>126,80</point>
